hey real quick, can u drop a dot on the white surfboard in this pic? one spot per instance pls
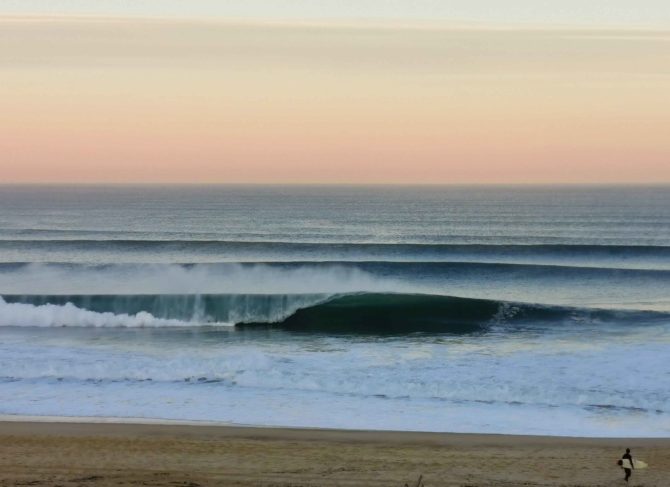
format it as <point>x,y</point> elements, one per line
<point>637,464</point>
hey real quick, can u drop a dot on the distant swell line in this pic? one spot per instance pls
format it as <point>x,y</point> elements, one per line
<point>610,256</point>
<point>541,247</point>
<point>374,267</point>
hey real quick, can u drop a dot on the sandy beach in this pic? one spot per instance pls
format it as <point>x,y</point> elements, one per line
<point>103,454</point>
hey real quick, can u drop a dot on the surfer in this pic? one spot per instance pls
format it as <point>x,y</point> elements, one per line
<point>629,457</point>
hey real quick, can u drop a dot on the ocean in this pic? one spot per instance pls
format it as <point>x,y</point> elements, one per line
<point>515,309</point>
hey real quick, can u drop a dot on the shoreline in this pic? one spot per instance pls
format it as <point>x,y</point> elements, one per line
<point>78,453</point>
<point>90,423</point>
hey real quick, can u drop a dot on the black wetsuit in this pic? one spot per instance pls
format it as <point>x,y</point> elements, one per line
<point>628,456</point>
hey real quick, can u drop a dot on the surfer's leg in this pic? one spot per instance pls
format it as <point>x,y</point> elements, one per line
<point>628,472</point>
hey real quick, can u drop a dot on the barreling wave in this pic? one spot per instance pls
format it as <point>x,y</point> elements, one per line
<point>409,313</point>
<point>379,313</point>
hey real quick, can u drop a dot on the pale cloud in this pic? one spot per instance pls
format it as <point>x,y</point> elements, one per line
<point>564,12</point>
<point>437,50</point>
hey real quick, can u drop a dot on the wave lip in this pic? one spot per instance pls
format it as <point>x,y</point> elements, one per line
<point>330,277</point>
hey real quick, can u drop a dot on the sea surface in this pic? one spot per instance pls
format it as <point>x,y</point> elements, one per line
<point>531,310</point>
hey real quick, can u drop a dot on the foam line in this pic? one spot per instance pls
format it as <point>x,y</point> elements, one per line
<point>52,315</point>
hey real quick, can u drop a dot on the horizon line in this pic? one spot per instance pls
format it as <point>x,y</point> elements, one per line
<point>380,184</point>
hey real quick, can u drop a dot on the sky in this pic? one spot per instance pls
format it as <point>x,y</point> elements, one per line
<point>367,91</point>
<point>622,13</point>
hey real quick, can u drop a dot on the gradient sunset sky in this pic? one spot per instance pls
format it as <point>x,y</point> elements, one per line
<point>337,91</point>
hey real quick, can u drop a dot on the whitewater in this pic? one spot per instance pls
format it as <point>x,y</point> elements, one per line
<point>530,310</point>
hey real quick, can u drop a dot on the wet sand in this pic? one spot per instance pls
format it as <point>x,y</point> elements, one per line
<point>70,454</point>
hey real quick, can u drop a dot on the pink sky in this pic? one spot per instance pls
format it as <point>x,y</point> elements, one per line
<point>100,100</point>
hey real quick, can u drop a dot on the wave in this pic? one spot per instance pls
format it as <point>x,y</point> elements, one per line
<point>67,314</point>
<point>369,266</point>
<point>201,251</point>
<point>178,309</point>
<point>395,247</point>
<point>226,278</point>
<point>378,313</point>
<point>303,277</point>
<point>409,313</point>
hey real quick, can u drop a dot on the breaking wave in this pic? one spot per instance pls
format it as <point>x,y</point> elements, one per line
<point>378,313</point>
<point>329,277</point>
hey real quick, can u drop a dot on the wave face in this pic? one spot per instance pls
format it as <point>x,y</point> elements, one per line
<point>496,310</point>
<point>407,313</point>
